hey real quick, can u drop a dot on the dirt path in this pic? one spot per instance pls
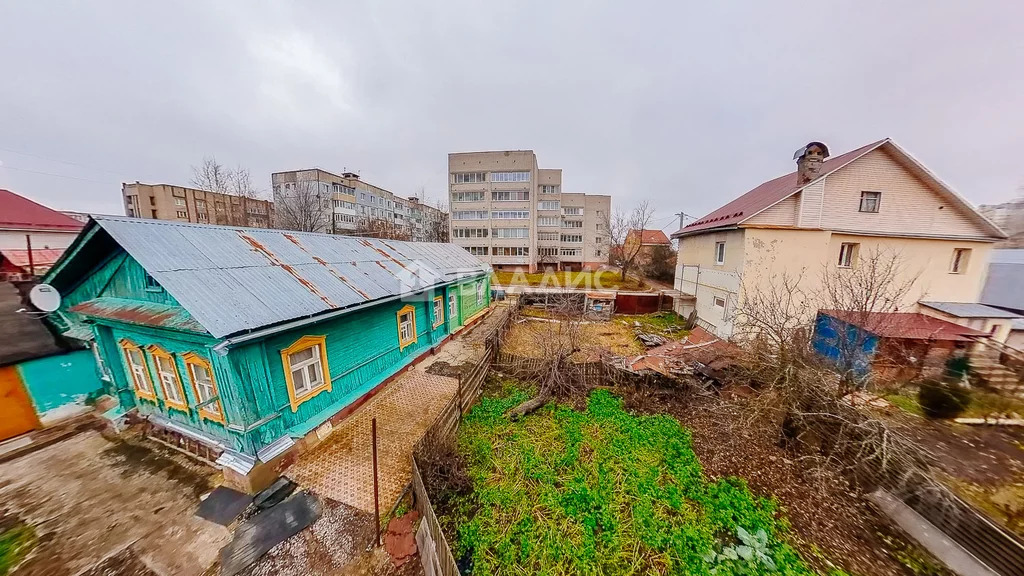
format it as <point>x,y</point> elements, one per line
<point>125,506</point>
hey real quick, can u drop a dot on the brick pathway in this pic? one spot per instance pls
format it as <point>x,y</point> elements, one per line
<point>341,467</point>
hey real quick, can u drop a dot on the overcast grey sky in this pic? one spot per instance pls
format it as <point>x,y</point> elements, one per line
<point>685,105</point>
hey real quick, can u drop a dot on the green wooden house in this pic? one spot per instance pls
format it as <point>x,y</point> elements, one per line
<point>245,340</point>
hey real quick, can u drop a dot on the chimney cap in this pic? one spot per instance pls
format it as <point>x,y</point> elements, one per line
<point>803,150</point>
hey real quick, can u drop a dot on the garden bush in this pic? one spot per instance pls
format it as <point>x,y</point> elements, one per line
<point>943,399</point>
<point>601,491</point>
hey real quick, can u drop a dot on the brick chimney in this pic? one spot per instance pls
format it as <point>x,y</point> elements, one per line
<point>809,160</point>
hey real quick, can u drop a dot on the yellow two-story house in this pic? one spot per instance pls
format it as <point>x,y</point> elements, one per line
<point>823,217</point>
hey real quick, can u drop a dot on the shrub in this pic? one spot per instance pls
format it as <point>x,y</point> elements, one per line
<point>943,399</point>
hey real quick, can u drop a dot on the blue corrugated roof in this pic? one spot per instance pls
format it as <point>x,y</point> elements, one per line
<point>233,280</point>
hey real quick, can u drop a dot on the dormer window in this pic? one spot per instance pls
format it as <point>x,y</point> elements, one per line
<point>869,201</point>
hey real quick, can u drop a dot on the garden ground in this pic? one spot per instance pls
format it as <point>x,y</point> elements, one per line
<point>603,487</point>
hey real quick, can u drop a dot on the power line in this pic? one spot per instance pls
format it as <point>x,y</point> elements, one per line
<point>69,163</point>
<point>6,167</point>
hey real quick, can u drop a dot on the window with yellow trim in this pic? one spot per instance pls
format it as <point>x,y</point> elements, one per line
<point>438,311</point>
<point>138,371</point>
<point>406,326</point>
<point>305,369</point>
<point>200,374</point>
<point>167,375</point>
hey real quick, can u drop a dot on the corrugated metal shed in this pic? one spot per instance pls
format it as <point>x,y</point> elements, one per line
<point>1003,285</point>
<point>969,310</point>
<point>232,280</point>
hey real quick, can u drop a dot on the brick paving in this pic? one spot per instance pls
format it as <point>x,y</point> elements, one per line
<point>341,467</point>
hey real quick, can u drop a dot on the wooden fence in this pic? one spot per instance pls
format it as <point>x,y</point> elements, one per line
<point>435,553</point>
<point>998,549</point>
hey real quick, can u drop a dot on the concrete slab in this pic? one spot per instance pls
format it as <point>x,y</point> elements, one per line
<point>927,535</point>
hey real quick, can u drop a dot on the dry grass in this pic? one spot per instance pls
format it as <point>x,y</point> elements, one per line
<point>527,338</point>
<point>601,280</point>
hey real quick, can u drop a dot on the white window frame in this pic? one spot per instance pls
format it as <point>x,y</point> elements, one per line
<point>960,261</point>
<point>871,198</point>
<point>140,374</point>
<point>205,388</point>
<point>168,376</point>
<point>719,253</point>
<point>438,311</point>
<point>848,254</point>
<point>479,292</point>
<point>715,301</point>
<point>453,306</point>
<point>308,386</point>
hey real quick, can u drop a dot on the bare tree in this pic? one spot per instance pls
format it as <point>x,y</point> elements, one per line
<point>437,228</point>
<point>625,249</point>
<point>304,208</point>
<point>212,176</point>
<point>557,341</point>
<point>380,228</point>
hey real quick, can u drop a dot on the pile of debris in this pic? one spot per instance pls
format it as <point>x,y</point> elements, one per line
<point>699,353</point>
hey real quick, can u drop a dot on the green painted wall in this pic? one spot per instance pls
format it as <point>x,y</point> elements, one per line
<point>57,381</point>
<point>362,351</point>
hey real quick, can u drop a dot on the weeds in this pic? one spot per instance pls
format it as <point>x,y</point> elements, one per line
<point>16,541</point>
<point>601,491</point>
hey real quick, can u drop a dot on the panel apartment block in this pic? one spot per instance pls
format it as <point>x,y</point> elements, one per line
<point>168,202</point>
<point>355,206</point>
<point>513,214</point>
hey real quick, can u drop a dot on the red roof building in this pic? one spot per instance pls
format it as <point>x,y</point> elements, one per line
<point>648,237</point>
<point>26,225</point>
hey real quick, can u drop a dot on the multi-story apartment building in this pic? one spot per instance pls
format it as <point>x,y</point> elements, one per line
<point>514,215</point>
<point>168,202</point>
<point>352,206</point>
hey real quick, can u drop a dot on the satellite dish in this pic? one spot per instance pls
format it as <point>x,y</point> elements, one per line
<point>44,297</point>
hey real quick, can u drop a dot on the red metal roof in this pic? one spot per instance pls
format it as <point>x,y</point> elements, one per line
<point>21,213</point>
<point>906,325</point>
<point>767,194</point>
<point>649,236</point>
<point>40,257</point>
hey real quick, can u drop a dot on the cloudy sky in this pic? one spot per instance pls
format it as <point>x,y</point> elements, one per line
<point>685,105</point>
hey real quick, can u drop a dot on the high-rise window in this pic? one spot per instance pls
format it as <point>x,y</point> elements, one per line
<point>572,211</point>
<point>477,250</point>
<point>572,238</point>
<point>572,223</point>
<point>469,177</point>
<point>510,176</point>
<point>469,232</point>
<point>510,215</point>
<point>547,236</point>
<point>570,252</point>
<point>467,196</point>
<point>548,221</point>
<point>547,205</point>
<point>510,195</point>
<point>549,189</point>
<point>510,251</point>
<point>511,232</point>
<point>469,215</point>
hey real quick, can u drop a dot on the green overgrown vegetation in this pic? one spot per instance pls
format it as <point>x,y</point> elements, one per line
<point>564,491</point>
<point>943,399</point>
<point>664,323</point>
<point>16,541</point>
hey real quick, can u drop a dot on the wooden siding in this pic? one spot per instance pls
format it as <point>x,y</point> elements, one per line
<point>784,213</point>
<point>107,338</point>
<point>908,205</point>
<point>811,205</point>
<point>362,351</point>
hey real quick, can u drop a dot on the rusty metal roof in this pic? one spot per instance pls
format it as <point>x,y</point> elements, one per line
<point>233,279</point>
<point>141,313</point>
